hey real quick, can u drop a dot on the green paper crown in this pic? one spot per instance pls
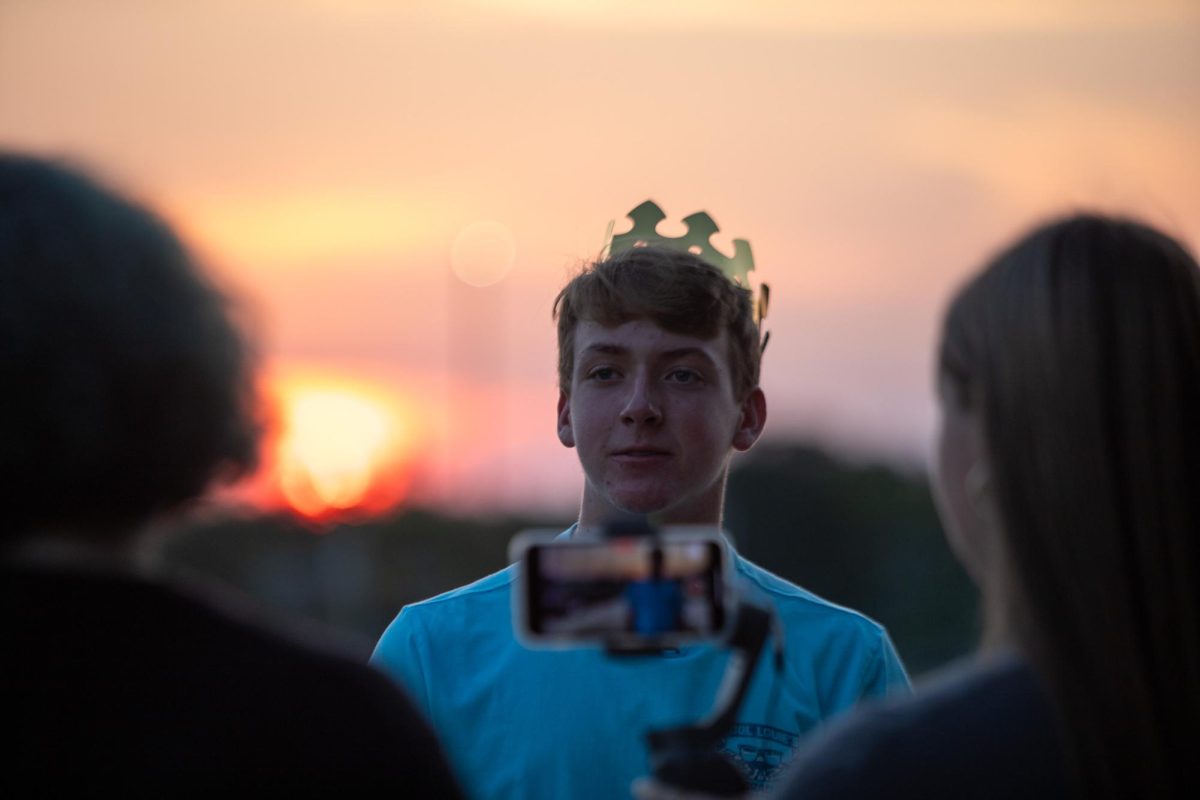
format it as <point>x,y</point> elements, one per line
<point>700,228</point>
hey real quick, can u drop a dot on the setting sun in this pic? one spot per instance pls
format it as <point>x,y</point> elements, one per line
<point>340,446</point>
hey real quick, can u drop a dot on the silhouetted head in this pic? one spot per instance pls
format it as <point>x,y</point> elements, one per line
<point>1068,477</point>
<point>127,387</point>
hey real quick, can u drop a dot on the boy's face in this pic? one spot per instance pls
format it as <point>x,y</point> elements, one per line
<point>654,418</point>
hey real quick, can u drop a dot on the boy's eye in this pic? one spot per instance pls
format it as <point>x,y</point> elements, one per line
<point>602,373</point>
<point>683,376</point>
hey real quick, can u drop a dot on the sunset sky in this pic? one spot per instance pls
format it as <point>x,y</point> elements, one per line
<point>350,168</point>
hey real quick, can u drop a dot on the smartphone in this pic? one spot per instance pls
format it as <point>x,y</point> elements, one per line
<point>645,592</point>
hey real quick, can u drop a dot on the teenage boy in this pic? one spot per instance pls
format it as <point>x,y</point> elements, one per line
<point>658,385</point>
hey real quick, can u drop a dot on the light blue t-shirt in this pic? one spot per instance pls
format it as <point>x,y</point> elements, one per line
<point>522,723</point>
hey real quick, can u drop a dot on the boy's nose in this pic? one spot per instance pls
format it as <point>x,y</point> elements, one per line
<point>642,406</point>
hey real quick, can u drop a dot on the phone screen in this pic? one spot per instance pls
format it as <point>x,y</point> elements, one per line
<point>627,592</point>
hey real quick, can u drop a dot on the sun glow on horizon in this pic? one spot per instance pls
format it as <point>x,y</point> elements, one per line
<point>283,227</point>
<point>341,445</point>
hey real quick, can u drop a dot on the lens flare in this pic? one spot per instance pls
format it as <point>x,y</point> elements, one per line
<point>483,253</point>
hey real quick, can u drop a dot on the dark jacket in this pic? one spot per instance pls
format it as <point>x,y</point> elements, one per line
<point>112,681</point>
<point>981,731</point>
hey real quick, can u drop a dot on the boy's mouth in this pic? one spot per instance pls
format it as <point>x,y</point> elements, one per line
<point>640,454</point>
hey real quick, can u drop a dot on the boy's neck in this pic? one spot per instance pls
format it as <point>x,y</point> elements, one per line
<point>598,518</point>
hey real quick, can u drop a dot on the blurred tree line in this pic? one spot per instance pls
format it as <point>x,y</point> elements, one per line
<point>867,537</point>
<point>863,536</point>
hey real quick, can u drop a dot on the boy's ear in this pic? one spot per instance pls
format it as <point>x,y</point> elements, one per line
<point>566,434</point>
<point>753,418</point>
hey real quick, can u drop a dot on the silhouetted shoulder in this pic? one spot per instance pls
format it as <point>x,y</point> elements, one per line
<point>147,684</point>
<point>984,731</point>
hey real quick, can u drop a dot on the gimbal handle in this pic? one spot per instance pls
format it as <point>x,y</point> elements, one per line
<point>687,756</point>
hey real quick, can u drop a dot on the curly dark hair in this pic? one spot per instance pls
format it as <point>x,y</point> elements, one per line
<point>128,389</point>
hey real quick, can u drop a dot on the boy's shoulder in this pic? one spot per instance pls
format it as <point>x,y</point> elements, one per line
<point>491,589</point>
<point>853,655</point>
<point>494,590</point>
<point>444,622</point>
